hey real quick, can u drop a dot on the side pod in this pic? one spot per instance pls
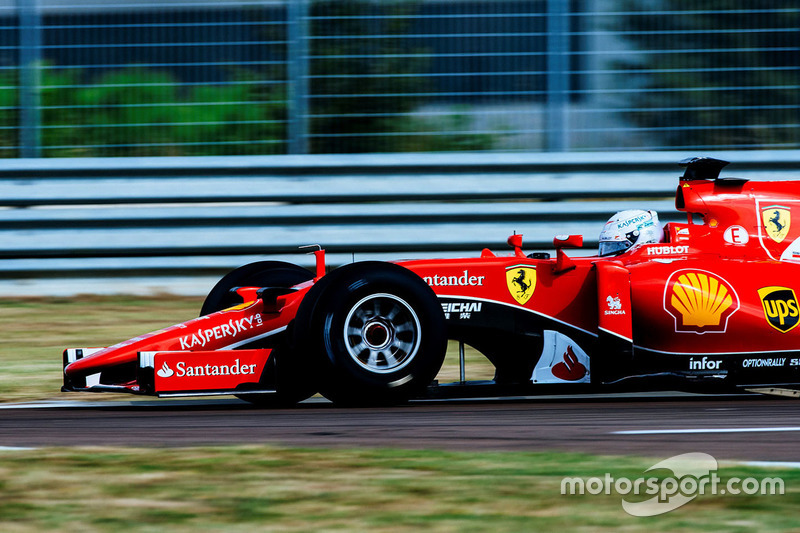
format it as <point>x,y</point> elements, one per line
<point>615,325</point>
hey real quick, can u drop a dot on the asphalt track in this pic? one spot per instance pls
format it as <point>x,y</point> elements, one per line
<point>736,428</point>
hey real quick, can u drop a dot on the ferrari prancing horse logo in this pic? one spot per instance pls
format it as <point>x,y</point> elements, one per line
<point>776,220</point>
<point>521,281</point>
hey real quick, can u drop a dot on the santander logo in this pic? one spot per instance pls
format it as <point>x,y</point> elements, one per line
<point>562,361</point>
<point>191,371</point>
<point>165,371</point>
<point>222,370</point>
<point>570,369</point>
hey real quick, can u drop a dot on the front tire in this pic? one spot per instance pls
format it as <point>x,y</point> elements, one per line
<point>376,331</point>
<point>292,383</point>
<point>258,274</point>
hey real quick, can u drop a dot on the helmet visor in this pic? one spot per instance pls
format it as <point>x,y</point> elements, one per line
<point>613,247</point>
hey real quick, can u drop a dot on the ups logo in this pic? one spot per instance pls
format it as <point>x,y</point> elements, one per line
<point>780,307</point>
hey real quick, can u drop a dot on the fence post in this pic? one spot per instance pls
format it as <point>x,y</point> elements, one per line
<point>557,75</point>
<point>30,50</point>
<point>297,68</point>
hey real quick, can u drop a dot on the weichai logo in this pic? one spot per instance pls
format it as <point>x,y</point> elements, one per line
<point>780,307</point>
<point>700,301</point>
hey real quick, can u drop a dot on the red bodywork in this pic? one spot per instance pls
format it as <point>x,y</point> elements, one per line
<point>218,334</point>
<point>716,301</point>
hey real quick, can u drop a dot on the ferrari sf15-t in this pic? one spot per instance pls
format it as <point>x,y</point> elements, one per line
<point>712,307</point>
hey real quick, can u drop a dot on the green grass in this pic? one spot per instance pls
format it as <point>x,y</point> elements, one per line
<point>278,489</point>
<point>36,332</point>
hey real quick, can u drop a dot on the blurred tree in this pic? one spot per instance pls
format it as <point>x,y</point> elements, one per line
<point>362,78</point>
<point>137,111</point>
<point>714,73</point>
<point>368,78</point>
<point>9,115</point>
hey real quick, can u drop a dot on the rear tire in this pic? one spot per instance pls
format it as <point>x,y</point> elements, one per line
<point>376,332</point>
<point>291,383</point>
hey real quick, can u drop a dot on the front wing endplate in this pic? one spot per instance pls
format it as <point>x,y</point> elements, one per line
<point>213,372</point>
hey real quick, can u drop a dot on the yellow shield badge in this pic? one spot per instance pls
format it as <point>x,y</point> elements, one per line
<point>521,281</point>
<point>776,220</point>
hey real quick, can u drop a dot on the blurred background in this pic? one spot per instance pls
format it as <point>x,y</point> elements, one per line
<point>225,77</point>
<point>178,137</point>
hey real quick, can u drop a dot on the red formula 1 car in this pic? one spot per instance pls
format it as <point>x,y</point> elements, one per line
<point>711,306</point>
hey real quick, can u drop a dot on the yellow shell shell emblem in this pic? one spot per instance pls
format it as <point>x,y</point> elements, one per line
<point>699,301</point>
<point>521,281</point>
<point>777,220</point>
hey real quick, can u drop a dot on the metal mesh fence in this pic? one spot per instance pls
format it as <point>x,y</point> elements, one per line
<point>151,77</point>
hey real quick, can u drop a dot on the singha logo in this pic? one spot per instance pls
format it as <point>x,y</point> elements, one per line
<point>613,303</point>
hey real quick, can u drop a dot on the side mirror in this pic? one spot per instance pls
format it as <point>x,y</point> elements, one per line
<point>568,241</point>
<point>564,263</point>
<point>515,241</point>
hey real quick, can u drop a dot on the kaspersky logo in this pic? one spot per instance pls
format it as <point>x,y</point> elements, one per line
<point>521,281</point>
<point>780,307</point>
<point>700,301</point>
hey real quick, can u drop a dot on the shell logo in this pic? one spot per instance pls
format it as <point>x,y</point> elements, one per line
<point>699,301</point>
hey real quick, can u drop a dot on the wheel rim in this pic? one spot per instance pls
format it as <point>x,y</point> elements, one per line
<point>382,333</point>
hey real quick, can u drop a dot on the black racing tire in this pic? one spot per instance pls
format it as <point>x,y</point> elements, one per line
<point>258,274</point>
<point>376,332</point>
<point>292,384</point>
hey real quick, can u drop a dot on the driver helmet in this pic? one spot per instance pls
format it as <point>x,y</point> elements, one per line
<point>628,228</point>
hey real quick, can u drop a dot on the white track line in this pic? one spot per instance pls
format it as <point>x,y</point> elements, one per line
<point>703,430</point>
<point>59,405</point>
<point>771,464</point>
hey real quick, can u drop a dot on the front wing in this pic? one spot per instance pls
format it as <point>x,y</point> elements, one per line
<point>182,373</point>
